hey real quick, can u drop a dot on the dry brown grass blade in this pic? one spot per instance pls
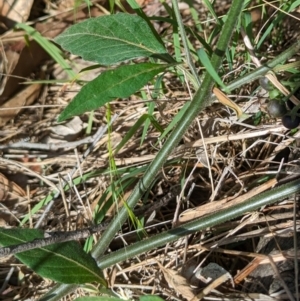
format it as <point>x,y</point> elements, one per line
<point>262,259</point>
<point>197,212</point>
<point>227,102</point>
<point>212,286</point>
<point>277,130</point>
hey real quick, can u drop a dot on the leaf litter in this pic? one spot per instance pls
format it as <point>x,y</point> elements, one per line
<point>239,153</point>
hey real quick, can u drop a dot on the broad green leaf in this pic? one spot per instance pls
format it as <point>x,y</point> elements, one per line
<point>111,39</point>
<point>118,83</point>
<point>138,10</point>
<point>62,262</point>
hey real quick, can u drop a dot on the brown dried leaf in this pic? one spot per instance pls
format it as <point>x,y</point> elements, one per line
<point>9,190</point>
<point>227,102</point>
<point>23,60</point>
<point>15,11</point>
<point>177,282</point>
<point>9,60</point>
<point>24,98</point>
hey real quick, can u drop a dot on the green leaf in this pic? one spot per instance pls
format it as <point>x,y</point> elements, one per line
<point>211,10</point>
<point>111,39</point>
<point>135,127</point>
<point>174,121</point>
<point>118,83</point>
<point>62,262</point>
<point>209,68</point>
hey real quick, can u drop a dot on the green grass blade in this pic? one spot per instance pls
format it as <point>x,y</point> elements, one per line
<point>49,47</point>
<point>203,57</point>
<point>136,127</point>
<point>174,121</point>
<point>212,11</point>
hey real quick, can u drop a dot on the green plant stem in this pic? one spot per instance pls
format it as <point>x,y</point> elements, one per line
<point>263,199</point>
<point>200,101</point>
<point>261,71</point>
<point>60,290</point>
<point>254,203</point>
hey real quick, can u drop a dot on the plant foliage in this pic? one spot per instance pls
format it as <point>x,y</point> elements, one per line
<point>64,262</point>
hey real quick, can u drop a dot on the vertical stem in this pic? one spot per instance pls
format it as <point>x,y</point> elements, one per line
<point>200,101</point>
<point>61,290</point>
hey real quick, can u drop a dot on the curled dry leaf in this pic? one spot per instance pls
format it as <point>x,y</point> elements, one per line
<point>227,102</point>
<point>8,61</point>
<point>21,61</point>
